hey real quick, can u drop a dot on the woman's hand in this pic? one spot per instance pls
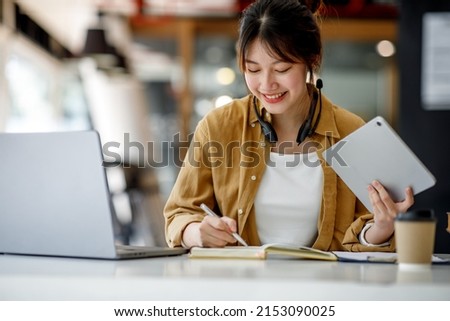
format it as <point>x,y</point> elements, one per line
<point>385,212</point>
<point>211,232</point>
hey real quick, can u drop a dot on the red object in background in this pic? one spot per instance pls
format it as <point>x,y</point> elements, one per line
<point>244,4</point>
<point>361,9</point>
<point>350,9</point>
<point>333,8</point>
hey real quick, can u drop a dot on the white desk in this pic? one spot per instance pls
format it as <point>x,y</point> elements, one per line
<point>180,278</point>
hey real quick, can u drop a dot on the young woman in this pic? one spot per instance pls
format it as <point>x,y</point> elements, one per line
<point>258,160</point>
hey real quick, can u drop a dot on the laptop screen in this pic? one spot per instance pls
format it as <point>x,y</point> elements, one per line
<point>54,195</point>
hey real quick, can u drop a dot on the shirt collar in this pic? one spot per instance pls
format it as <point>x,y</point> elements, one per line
<point>327,124</point>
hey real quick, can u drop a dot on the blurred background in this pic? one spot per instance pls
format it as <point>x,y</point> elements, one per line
<point>143,72</point>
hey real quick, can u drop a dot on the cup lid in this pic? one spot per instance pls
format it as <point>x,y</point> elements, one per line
<point>417,215</point>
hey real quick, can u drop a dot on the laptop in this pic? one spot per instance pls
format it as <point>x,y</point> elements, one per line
<point>55,199</point>
<point>376,152</point>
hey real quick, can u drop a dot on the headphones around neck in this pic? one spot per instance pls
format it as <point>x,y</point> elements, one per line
<point>307,128</point>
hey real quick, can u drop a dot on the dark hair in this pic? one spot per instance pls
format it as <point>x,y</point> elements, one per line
<point>288,27</point>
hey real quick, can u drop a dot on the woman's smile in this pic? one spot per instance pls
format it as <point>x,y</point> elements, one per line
<point>274,98</point>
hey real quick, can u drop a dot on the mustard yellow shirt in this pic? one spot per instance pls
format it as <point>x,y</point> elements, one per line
<point>225,164</point>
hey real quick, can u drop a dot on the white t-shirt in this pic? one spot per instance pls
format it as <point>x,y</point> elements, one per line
<point>288,201</point>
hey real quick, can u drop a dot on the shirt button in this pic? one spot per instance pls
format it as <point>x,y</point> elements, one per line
<point>253,125</point>
<point>253,178</point>
<point>263,144</point>
<point>240,211</point>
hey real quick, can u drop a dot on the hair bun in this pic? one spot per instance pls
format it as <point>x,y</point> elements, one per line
<point>312,5</point>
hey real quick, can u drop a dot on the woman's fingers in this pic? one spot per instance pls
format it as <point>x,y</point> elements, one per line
<point>215,232</point>
<point>408,202</point>
<point>383,200</point>
<point>382,203</point>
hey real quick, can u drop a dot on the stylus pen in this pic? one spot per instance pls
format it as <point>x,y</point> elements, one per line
<point>211,213</point>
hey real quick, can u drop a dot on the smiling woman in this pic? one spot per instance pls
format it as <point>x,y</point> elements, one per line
<point>279,52</point>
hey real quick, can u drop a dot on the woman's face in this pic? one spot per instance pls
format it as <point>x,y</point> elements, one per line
<point>279,85</point>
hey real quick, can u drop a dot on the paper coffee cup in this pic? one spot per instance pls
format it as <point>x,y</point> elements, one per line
<point>414,238</point>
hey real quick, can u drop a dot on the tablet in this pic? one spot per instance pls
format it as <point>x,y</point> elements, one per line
<point>376,152</point>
